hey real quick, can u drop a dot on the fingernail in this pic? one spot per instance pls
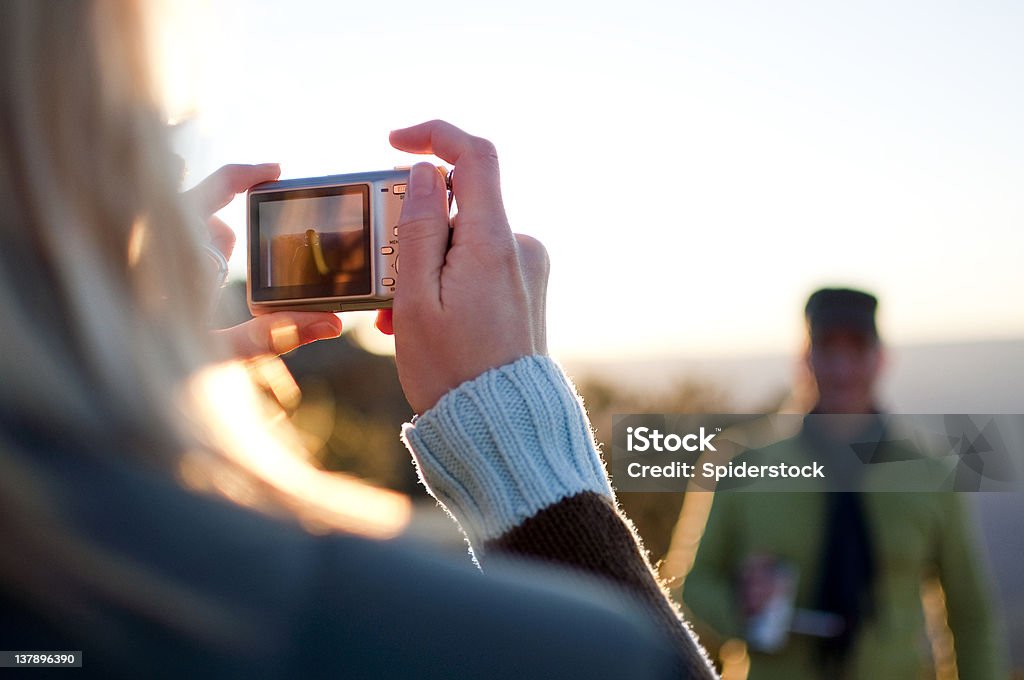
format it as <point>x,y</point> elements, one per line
<point>422,180</point>
<point>323,330</point>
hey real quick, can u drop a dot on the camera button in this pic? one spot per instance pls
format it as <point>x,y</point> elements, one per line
<point>387,282</point>
<point>398,189</point>
<point>387,250</point>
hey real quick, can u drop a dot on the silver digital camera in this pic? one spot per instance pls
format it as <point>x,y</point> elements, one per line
<point>325,243</point>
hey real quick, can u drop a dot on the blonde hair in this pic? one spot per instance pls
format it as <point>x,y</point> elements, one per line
<point>103,296</point>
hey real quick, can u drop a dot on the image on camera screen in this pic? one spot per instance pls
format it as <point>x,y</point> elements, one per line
<point>313,243</point>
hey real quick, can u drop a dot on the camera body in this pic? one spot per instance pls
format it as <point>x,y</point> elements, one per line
<point>325,243</point>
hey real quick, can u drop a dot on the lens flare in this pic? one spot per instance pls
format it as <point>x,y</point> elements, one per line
<point>224,396</point>
<point>284,337</point>
<point>136,240</point>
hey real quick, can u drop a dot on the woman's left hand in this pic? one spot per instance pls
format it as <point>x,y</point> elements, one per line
<point>273,332</point>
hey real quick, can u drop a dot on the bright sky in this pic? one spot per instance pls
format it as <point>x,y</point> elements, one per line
<point>695,169</point>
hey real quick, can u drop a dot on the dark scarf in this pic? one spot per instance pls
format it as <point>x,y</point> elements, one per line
<point>847,562</point>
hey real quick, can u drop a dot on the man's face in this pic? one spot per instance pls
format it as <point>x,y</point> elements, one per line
<point>845,365</point>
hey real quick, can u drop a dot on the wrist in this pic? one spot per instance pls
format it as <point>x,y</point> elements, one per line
<point>501,447</point>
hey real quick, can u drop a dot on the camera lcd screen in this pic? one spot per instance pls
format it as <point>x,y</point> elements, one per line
<point>312,243</point>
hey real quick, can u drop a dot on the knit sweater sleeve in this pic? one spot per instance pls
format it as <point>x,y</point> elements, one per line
<point>511,456</point>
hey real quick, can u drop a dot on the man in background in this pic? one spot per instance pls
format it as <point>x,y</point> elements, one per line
<point>828,584</point>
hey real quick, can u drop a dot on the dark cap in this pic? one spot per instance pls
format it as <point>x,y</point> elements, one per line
<point>841,308</point>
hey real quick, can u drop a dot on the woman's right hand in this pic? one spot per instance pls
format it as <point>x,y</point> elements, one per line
<point>461,311</point>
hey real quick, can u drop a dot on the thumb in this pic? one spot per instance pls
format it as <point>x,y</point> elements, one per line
<point>422,235</point>
<point>280,332</point>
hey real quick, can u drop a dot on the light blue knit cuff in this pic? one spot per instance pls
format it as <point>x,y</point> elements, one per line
<point>501,447</point>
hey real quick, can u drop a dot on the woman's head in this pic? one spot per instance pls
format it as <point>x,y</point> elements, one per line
<point>103,295</point>
<point>102,291</point>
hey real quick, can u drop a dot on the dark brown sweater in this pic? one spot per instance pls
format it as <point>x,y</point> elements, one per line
<point>588,533</point>
<point>512,458</point>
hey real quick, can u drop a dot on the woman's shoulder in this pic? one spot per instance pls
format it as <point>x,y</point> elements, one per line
<point>199,582</point>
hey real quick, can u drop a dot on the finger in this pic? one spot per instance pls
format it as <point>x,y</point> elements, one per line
<point>476,180</point>
<point>423,234</point>
<point>222,237</point>
<point>384,322</point>
<point>220,188</point>
<point>536,267</point>
<point>280,332</point>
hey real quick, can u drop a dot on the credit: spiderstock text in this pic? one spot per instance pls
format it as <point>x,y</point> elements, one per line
<point>817,452</point>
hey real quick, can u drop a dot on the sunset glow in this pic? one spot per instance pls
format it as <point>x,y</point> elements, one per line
<point>694,169</point>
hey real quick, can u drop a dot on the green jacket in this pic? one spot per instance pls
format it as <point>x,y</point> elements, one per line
<point>914,536</point>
